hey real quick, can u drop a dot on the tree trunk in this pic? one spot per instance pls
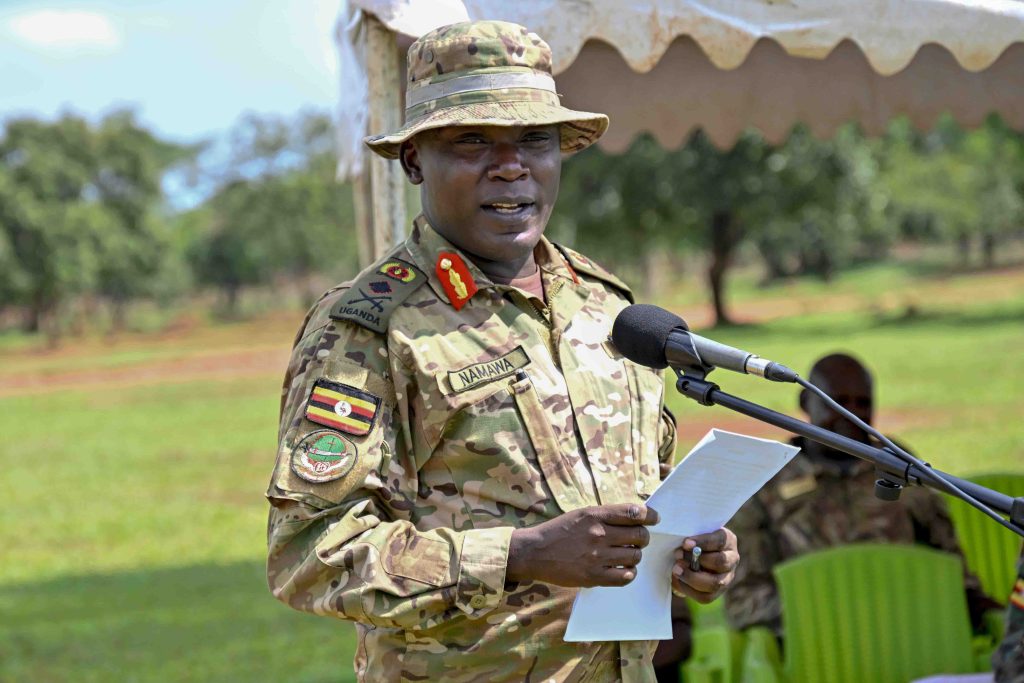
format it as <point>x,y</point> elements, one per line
<point>963,241</point>
<point>725,235</point>
<point>988,249</point>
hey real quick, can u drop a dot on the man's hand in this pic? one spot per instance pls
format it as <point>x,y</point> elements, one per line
<point>718,561</point>
<point>593,546</point>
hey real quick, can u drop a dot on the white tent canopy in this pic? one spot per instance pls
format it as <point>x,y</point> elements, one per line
<point>671,66</point>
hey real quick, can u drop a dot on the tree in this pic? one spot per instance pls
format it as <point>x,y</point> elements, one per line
<point>77,207</point>
<point>275,208</point>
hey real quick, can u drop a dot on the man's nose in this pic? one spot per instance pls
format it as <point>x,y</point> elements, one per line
<point>507,163</point>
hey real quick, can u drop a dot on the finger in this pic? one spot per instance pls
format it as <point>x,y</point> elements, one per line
<point>680,588</point>
<point>702,582</point>
<point>627,535</point>
<point>628,514</point>
<point>664,469</point>
<point>710,542</point>
<point>622,557</point>
<point>719,562</point>
<point>615,576</point>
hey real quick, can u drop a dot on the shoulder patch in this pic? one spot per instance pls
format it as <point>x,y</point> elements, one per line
<point>377,292</point>
<point>342,407</point>
<point>323,456</point>
<point>581,264</point>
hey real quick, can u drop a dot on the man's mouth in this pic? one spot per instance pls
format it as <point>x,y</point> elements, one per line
<point>508,207</point>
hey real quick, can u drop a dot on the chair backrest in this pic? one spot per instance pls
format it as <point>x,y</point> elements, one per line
<point>873,612</point>
<point>991,550</point>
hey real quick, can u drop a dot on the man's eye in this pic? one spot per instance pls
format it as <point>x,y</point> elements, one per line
<point>537,137</point>
<point>471,140</point>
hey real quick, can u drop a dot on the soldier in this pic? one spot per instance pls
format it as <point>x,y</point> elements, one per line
<point>1008,659</point>
<point>823,498</point>
<point>460,446</point>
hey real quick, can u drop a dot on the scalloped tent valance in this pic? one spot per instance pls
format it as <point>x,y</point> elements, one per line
<point>669,66</point>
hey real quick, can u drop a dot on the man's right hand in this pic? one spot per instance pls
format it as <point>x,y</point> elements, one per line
<point>593,546</point>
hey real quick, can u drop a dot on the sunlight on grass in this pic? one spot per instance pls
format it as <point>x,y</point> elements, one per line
<point>134,523</point>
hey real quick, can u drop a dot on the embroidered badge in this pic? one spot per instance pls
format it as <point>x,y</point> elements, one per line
<point>323,456</point>
<point>397,270</point>
<point>488,371</point>
<point>455,278</point>
<point>376,302</point>
<point>341,407</point>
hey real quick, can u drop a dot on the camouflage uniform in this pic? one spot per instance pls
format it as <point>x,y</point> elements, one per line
<point>500,415</point>
<point>816,503</point>
<point>1008,659</point>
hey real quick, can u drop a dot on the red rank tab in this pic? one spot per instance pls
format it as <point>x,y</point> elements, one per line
<point>455,278</point>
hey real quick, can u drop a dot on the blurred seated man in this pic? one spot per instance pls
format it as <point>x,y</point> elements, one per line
<point>825,498</point>
<point>1008,659</point>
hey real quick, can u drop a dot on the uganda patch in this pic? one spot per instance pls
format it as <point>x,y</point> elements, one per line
<point>323,456</point>
<point>342,407</point>
<point>376,294</point>
<point>488,371</point>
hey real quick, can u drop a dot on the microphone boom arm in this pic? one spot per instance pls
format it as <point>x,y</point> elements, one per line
<point>894,471</point>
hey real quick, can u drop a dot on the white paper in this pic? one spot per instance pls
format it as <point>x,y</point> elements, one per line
<point>701,494</point>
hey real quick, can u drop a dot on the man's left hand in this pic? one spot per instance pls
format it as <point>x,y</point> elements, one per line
<point>718,561</point>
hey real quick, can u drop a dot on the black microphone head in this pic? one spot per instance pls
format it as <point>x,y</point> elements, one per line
<point>640,332</point>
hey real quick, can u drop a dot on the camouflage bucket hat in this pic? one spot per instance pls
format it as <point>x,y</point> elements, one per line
<point>485,73</point>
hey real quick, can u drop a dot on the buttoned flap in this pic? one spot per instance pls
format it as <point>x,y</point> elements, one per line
<point>602,401</point>
<point>490,446</point>
<point>646,389</point>
<point>338,436</point>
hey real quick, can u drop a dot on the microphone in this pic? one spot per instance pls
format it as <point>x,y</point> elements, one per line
<point>651,336</point>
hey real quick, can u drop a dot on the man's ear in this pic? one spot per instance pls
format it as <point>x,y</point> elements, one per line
<point>805,399</point>
<point>409,157</point>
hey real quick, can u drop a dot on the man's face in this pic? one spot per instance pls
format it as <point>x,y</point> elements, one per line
<point>489,189</point>
<point>850,389</point>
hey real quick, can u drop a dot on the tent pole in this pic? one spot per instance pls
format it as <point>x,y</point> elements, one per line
<point>387,182</point>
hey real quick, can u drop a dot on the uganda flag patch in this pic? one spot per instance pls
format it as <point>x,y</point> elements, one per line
<point>342,407</point>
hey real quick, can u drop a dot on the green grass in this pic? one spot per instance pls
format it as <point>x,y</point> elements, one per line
<point>133,526</point>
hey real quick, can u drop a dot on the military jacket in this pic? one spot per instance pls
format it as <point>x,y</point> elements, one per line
<point>815,503</point>
<point>1008,659</point>
<point>462,421</point>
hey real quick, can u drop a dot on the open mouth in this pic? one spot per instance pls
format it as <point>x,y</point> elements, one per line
<point>509,209</point>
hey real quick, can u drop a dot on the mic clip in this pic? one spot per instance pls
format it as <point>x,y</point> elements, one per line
<point>691,381</point>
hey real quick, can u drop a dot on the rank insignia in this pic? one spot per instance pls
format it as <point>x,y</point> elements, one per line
<point>398,270</point>
<point>323,456</point>
<point>342,407</point>
<point>455,278</point>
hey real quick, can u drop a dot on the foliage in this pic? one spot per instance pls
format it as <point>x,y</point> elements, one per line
<point>142,555</point>
<point>966,185</point>
<point>806,200</point>
<point>77,212</point>
<point>275,209</point>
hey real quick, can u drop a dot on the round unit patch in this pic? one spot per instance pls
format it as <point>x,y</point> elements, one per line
<point>323,456</point>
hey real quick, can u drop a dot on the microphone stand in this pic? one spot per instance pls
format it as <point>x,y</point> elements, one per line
<point>894,473</point>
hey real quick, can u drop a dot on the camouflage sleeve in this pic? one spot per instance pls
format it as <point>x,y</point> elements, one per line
<point>667,436</point>
<point>934,527</point>
<point>752,599</point>
<point>344,546</point>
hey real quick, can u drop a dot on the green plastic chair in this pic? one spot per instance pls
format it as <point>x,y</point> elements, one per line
<point>715,657</point>
<point>867,612</point>
<point>991,551</point>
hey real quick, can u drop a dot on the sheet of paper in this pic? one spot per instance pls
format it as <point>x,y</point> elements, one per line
<point>703,492</point>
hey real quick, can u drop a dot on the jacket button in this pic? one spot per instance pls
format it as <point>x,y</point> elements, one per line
<point>477,601</point>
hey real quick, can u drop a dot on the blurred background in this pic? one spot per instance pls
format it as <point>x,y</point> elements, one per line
<point>169,209</point>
